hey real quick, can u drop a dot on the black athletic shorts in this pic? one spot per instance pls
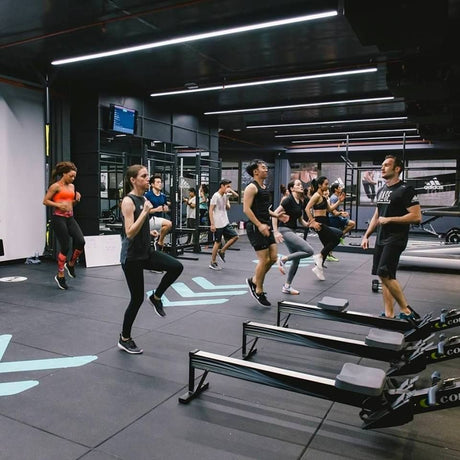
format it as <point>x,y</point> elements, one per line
<point>257,240</point>
<point>386,259</point>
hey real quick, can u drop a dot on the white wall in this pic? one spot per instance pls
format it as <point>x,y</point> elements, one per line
<point>22,172</point>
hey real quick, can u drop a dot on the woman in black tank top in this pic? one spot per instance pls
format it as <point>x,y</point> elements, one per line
<point>137,254</point>
<point>329,236</point>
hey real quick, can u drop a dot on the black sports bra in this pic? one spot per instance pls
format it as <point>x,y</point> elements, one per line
<point>321,205</point>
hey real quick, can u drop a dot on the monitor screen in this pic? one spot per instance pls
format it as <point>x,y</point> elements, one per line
<point>123,119</point>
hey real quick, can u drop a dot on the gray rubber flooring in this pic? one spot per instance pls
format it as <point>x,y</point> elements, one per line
<point>122,406</point>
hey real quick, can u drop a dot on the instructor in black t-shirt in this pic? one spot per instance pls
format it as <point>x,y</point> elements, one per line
<point>397,209</point>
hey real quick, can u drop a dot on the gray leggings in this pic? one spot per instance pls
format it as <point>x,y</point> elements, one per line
<point>298,249</point>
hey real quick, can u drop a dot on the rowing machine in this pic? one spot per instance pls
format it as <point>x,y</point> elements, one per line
<point>382,403</point>
<point>404,358</point>
<point>331,308</point>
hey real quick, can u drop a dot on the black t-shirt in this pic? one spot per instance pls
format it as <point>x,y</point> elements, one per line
<point>394,201</point>
<point>293,210</point>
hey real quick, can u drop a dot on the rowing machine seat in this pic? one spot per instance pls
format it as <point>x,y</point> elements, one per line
<point>389,340</point>
<point>361,379</point>
<point>333,303</point>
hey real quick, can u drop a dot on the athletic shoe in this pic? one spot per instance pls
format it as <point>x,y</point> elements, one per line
<point>281,266</point>
<point>61,283</point>
<point>318,272</point>
<point>413,313</point>
<point>214,266</point>
<point>332,258</point>
<point>289,290</point>
<point>70,270</point>
<point>252,288</point>
<point>342,241</point>
<point>318,258</point>
<point>410,317</point>
<point>157,306</point>
<point>384,315</point>
<point>221,255</point>
<point>129,346</point>
<point>262,299</point>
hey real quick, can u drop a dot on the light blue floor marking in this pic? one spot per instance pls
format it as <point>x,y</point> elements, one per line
<point>44,364</point>
<point>205,284</point>
<point>185,303</point>
<point>185,291</point>
<point>13,388</point>
<point>4,341</point>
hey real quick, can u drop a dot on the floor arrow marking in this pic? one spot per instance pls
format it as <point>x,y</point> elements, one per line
<point>185,303</point>
<point>13,388</point>
<point>185,291</point>
<point>45,364</point>
<point>205,284</point>
<point>4,341</point>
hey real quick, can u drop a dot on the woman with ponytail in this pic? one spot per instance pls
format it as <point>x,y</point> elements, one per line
<point>317,212</point>
<point>62,197</point>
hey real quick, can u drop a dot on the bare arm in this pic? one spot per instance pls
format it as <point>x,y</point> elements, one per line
<point>249,194</point>
<point>311,220</point>
<point>373,224</point>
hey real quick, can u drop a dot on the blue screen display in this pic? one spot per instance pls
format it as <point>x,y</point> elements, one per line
<point>124,120</point>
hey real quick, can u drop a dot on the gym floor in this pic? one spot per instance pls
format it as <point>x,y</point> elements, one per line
<point>123,406</point>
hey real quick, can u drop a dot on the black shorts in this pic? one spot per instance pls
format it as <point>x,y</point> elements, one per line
<point>386,259</point>
<point>228,232</point>
<point>257,240</point>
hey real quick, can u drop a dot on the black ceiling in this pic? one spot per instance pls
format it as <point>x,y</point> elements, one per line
<point>410,43</point>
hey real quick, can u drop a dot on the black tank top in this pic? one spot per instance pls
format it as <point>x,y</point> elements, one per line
<point>261,203</point>
<point>138,247</point>
<point>320,205</point>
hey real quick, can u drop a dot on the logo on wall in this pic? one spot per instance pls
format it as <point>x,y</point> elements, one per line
<point>434,184</point>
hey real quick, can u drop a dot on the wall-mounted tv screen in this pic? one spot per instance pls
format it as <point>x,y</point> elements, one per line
<point>122,119</point>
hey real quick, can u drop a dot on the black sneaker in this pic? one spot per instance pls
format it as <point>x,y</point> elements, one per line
<point>221,255</point>
<point>252,288</point>
<point>61,282</point>
<point>70,270</point>
<point>157,306</point>
<point>262,299</point>
<point>129,346</point>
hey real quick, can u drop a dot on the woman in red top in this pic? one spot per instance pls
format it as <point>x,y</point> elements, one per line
<point>62,197</point>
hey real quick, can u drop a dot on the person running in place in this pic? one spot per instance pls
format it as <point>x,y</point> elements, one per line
<point>220,225</point>
<point>256,204</point>
<point>285,231</point>
<point>159,226</point>
<point>62,197</point>
<point>137,255</point>
<point>397,209</point>
<point>340,218</point>
<point>329,236</point>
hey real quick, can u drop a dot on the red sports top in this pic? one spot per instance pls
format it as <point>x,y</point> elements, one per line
<point>64,194</point>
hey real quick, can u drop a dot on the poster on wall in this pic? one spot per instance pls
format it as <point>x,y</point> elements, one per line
<point>370,181</point>
<point>104,185</point>
<point>306,172</point>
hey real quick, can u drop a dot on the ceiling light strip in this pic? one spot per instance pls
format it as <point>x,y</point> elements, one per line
<point>332,122</point>
<point>196,37</point>
<point>355,139</point>
<point>299,106</point>
<point>267,82</point>
<point>340,133</point>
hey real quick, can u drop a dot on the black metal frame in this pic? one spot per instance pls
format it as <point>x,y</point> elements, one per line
<point>396,405</point>
<point>411,359</point>
<point>412,330</point>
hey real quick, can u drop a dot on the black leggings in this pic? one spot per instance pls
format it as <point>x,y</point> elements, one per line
<point>64,228</point>
<point>134,273</point>
<point>329,236</point>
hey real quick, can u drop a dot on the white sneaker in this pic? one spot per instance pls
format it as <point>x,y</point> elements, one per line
<point>318,272</point>
<point>214,266</point>
<point>318,258</point>
<point>289,290</point>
